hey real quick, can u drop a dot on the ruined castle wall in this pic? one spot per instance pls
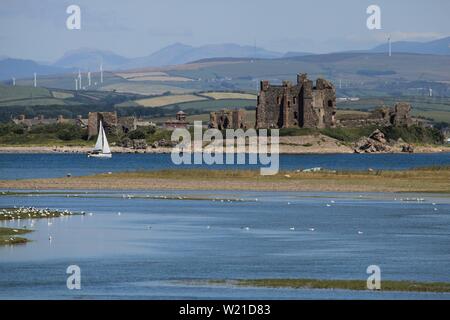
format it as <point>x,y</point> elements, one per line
<point>401,114</point>
<point>307,113</point>
<point>278,107</point>
<point>227,119</point>
<point>300,105</point>
<point>109,121</point>
<point>269,107</point>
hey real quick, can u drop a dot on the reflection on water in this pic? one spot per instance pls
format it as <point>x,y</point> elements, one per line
<point>146,250</point>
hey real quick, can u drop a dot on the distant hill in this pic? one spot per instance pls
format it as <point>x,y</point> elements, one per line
<point>439,47</point>
<point>179,53</point>
<point>174,54</point>
<point>19,68</point>
<point>90,59</point>
<point>291,54</point>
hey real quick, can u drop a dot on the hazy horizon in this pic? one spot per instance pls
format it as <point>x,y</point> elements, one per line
<point>37,30</point>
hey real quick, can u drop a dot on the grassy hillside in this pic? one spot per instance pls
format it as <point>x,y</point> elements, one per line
<point>168,100</point>
<point>360,74</point>
<point>433,108</point>
<point>9,93</point>
<point>223,83</point>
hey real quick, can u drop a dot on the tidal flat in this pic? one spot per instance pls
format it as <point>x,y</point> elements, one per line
<point>425,180</point>
<point>9,236</point>
<point>144,244</point>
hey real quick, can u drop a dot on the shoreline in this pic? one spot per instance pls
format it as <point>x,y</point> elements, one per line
<point>284,149</point>
<point>431,180</point>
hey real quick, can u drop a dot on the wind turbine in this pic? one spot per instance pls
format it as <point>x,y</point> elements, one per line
<point>390,45</point>
<point>89,78</point>
<point>101,72</point>
<point>79,78</point>
<point>35,80</point>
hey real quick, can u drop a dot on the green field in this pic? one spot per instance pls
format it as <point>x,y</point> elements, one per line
<point>375,78</point>
<point>436,109</point>
<point>9,93</point>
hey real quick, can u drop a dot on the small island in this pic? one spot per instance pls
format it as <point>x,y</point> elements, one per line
<point>9,236</point>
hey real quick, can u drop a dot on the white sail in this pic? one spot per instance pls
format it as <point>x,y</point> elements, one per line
<point>101,149</point>
<point>99,143</point>
<point>105,148</point>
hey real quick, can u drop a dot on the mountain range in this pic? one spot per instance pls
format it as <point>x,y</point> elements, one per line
<point>174,54</point>
<point>439,47</point>
<point>178,53</point>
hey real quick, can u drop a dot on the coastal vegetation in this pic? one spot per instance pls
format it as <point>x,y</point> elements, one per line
<point>72,135</point>
<point>424,180</point>
<point>412,134</point>
<point>386,285</point>
<point>43,135</point>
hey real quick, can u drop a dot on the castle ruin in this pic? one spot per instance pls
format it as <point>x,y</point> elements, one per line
<point>111,123</point>
<point>301,105</point>
<point>227,119</point>
<point>397,116</point>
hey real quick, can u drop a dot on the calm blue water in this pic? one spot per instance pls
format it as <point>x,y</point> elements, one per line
<point>21,166</point>
<point>121,257</point>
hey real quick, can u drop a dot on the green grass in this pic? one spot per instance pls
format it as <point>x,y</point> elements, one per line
<point>9,93</point>
<point>34,102</point>
<point>348,134</point>
<point>436,109</point>
<point>412,134</point>
<point>386,285</point>
<point>41,141</point>
<point>214,105</point>
<point>43,135</point>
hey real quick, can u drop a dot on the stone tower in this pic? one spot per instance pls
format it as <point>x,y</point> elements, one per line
<point>301,105</point>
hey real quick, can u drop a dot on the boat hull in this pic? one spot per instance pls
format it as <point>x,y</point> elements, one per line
<point>100,155</point>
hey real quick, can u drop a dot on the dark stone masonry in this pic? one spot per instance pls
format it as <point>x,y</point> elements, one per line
<point>111,123</point>
<point>397,116</point>
<point>227,119</point>
<point>303,105</point>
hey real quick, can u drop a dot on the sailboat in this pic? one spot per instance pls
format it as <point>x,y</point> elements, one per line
<point>101,149</point>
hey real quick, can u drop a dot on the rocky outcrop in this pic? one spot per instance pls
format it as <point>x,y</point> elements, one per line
<point>376,142</point>
<point>164,143</point>
<point>134,143</point>
<point>139,144</point>
<point>407,148</point>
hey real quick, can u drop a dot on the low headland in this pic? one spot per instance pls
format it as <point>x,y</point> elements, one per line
<point>65,138</point>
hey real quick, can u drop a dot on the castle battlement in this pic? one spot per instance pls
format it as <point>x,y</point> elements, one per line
<point>303,104</point>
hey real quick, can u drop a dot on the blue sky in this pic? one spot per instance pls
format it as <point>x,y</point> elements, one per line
<point>37,30</point>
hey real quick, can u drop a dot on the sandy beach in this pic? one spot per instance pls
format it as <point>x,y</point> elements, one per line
<point>308,144</point>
